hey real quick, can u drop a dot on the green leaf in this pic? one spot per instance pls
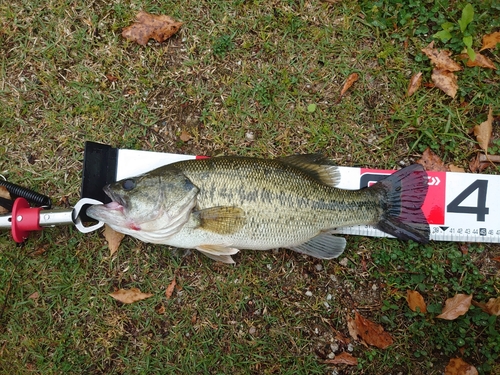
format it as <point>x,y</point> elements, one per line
<point>443,35</point>
<point>467,41</point>
<point>471,53</point>
<point>448,26</point>
<point>467,16</point>
<point>311,108</point>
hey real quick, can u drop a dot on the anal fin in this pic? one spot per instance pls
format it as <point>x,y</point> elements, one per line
<point>219,253</point>
<point>323,246</point>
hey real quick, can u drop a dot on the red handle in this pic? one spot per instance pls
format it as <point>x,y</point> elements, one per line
<point>24,219</point>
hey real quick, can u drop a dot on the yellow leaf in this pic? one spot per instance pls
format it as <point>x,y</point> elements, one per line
<point>491,40</point>
<point>415,300</point>
<point>483,131</point>
<point>129,295</point>
<point>455,307</point>
<point>113,238</point>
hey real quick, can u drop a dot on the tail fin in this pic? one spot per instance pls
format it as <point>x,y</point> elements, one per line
<point>402,195</point>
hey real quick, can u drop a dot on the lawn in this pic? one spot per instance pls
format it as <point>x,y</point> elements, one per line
<point>259,78</point>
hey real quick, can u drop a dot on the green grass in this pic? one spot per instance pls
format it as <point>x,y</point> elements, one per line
<point>235,67</point>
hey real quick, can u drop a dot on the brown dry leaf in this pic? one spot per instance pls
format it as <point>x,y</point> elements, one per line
<point>457,366</point>
<point>491,307</point>
<point>151,26</point>
<point>480,60</point>
<point>441,58</point>
<point>4,193</point>
<point>446,81</point>
<point>113,238</point>
<point>496,259</point>
<point>431,161</point>
<point>456,306</point>
<point>170,288</point>
<point>350,81</point>
<point>415,300</point>
<point>352,328</point>
<point>415,83</point>
<point>34,295</point>
<point>483,131</point>
<point>185,136</point>
<point>343,359</point>
<point>129,295</point>
<point>491,40</point>
<point>454,168</point>
<point>371,333</point>
<point>160,309</point>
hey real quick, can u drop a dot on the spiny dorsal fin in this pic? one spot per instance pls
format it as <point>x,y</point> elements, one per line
<point>221,220</point>
<point>317,166</point>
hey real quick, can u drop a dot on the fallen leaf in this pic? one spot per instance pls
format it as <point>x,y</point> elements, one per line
<point>160,309</point>
<point>113,238</point>
<point>431,161</point>
<point>342,359</point>
<point>170,289</point>
<point>111,78</point>
<point>454,168</point>
<point>458,366</point>
<point>415,300</point>
<point>150,26</point>
<point>415,83</point>
<point>496,259</point>
<point>491,40</point>
<point>349,82</point>
<point>455,307</point>
<point>483,131</point>
<point>352,328</point>
<point>480,60</point>
<point>185,136</point>
<point>34,295</point>
<point>441,58</point>
<point>129,295</point>
<point>446,81</point>
<point>370,332</point>
<point>491,307</point>
<point>4,193</point>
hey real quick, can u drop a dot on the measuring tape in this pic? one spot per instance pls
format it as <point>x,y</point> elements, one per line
<point>459,206</point>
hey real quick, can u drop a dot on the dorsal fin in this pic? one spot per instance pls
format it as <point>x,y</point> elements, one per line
<point>316,166</point>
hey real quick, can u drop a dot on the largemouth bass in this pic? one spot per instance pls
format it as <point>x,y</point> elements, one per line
<point>223,204</point>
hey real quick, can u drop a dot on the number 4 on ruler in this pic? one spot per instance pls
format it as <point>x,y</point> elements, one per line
<point>480,210</point>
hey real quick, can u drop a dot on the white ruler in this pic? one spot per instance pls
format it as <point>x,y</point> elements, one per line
<point>459,206</point>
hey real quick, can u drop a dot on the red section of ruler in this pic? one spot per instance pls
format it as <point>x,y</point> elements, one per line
<point>434,204</point>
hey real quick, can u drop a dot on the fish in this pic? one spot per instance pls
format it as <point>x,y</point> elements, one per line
<point>222,205</point>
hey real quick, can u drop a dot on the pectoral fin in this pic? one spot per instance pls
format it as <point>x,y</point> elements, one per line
<point>221,220</point>
<point>219,253</point>
<point>323,246</point>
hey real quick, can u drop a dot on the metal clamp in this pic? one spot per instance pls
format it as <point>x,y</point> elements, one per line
<point>25,219</point>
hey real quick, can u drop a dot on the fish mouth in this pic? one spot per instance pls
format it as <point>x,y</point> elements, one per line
<point>117,202</point>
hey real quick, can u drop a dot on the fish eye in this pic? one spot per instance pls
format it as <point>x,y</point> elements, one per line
<point>128,184</point>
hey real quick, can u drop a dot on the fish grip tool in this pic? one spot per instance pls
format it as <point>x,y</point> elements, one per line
<point>24,218</point>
